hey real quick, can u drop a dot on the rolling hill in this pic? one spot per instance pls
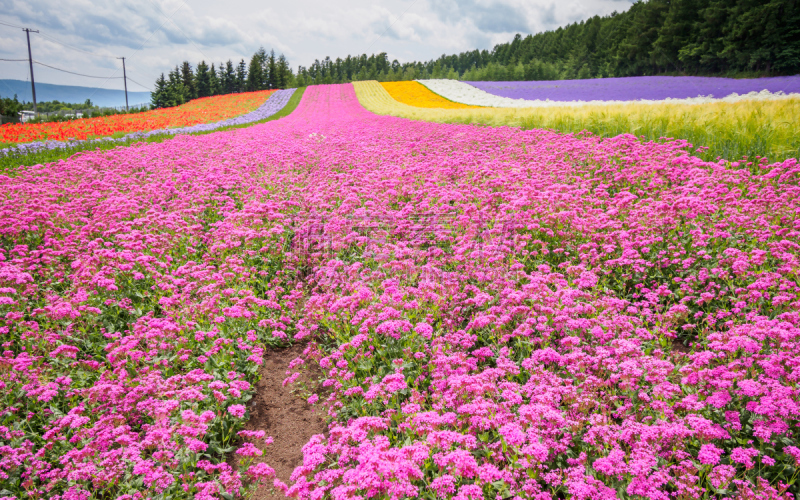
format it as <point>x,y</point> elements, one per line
<point>70,93</point>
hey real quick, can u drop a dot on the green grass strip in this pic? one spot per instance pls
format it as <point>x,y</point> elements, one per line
<point>9,163</point>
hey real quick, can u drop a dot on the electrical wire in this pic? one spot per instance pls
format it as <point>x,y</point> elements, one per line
<point>8,87</point>
<point>390,26</point>
<point>139,84</point>
<point>55,40</point>
<point>12,25</point>
<point>146,40</point>
<point>179,29</point>
<point>72,72</point>
<point>52,39</point>
<point>72,47</point>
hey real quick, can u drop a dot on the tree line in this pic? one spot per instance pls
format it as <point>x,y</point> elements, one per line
<point>655,37</point>
<point>183,83</point>
<point>10,107</point>
<point>684,37</point>
<point>66,111</point>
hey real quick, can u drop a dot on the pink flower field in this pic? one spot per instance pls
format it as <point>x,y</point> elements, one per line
<point>499,314</point>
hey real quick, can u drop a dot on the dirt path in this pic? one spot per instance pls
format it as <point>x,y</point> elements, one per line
<point>288,418</point>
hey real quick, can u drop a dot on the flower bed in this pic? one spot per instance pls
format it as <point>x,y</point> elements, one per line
<point>416,94</point>
<point>468,94</point>
<point>722,129</point>
<point>648,88</point>
<point>275,102</point>
<point>197,111</point>
<point>498,312</point>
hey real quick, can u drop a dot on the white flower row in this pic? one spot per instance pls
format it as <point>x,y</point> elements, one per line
<point>467,94</point>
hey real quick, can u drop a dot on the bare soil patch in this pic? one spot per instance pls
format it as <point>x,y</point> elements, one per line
<point>284,415</point>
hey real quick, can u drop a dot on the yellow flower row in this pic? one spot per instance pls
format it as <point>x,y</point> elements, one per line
<point>416,94</point>
<point>729,130</point>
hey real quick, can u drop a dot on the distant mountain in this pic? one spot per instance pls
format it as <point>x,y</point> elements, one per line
<point>70,93</point>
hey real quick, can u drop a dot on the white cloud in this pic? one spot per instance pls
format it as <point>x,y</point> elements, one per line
<point>156,35</point>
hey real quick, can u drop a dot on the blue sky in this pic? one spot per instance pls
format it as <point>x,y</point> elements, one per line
<point>157,34</point>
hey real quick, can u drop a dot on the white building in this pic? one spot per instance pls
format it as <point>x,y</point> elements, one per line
<point>26,116</point>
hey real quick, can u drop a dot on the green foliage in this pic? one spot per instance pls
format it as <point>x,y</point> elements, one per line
<point>53,106</point>
<point>203,80</point>
<point>227,78</point>
<point>10,107</point>
<point>255,72</point>
<point>214,85</point>
<point>265,71</point>
<point>66,111</point>
<point>189,82</point>
<point>241,76</point>
<point>158,98</point>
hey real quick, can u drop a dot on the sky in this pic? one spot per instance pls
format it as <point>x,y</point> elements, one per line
<point>86,36</point>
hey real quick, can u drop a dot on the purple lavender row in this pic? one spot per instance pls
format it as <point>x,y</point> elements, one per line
<point>637,87</point>
<point>273,104</point>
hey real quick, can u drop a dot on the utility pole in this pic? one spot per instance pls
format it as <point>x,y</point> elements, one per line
<point>30,60</point>
<point>125,79</point>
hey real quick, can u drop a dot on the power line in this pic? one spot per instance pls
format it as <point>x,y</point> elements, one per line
<point>139,84</point>
<point>179,29</point>
<point>390,26</point>
<point>32,62</point>
<point>12,25</point>
<point>148,39</point>
<point>73,47</point>
<point>55,40</point>
<point>73,73</point>
<point>8,87</point>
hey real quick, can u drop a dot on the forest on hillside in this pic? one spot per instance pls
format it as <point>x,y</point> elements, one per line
<point>686,37</point>
<point>655,37</point>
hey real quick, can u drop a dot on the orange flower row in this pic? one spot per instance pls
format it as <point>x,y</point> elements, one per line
<point>203,110</point>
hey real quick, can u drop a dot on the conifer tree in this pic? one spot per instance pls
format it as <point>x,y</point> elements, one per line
<point>159,94</point>
<point>189,85</point>
<point>284,72</point>
<point>272,71</point>
<point>255,72</point>
<point>203,81</point>
<point>230,78</point>
<point>213,80</point>
<point>176,92</point>
<point>241,76</point>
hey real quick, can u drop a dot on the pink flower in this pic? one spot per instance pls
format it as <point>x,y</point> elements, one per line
<point>721,475</point>
<point>744,456</point>
<point>423,330</point>
<point>794,452</point>
<point>237,410</point>
<point>709,454</point>
<point>196,445</point>
<point>394,382</point>
<point>249,450</point>
<point>260,472</point>
<point>443,485</point>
